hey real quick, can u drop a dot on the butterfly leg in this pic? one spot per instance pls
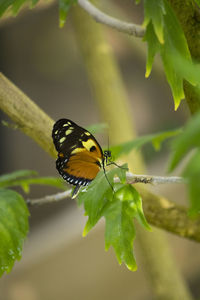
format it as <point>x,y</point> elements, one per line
<point>76,191</point>
<point>113,163</point>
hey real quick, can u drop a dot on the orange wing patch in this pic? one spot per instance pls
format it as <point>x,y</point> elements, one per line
<point>83,165</point>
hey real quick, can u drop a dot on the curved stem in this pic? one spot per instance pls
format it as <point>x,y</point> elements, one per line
<point>99,16</point>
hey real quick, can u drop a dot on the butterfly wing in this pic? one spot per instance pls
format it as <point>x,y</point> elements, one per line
<point>79,154</point>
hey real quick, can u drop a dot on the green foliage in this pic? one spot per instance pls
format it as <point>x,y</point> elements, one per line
<point>192,174</point>
<point>13,228</point>
<point>64,7</point>
<point>118,208</point>
<point>165,35</point>
<point>96,128</point>
<point>156,140</point>
<point>21,178</point>
<point>15,5</point>
<point>14,214</point>
<point>197,2</point>
<point>189,140</point>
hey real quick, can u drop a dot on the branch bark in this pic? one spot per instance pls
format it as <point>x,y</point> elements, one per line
<point>27,116</point>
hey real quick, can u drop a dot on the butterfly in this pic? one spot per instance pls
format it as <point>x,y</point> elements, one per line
<point>80,157</point>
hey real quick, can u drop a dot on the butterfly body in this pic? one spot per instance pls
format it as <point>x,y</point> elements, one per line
<point>80,156</point>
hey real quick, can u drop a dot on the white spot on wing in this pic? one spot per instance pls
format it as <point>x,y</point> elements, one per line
<point>68,131</point>
<point>87,133</point>
<point>62,139</point>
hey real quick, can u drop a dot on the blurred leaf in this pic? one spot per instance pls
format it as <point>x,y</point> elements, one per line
<point>192,174</point>
<point>13,228</point>
<point>153,47</point>
<point>194,195</point>
<point>25,183</point>
<point>165,35</point>
<point>161,137</point>
<point>197,2</point>
<point>193,166</point>
<point>154,11</point>
<point>34,2</point>
<point>189,70</point>
<point>17,4</point>
<point>64,7</point>
<point>156,139</point>
<point>5,179</point>
<point>4,4</point>
<point>18,178</point>
<point>96,128</point>
<point>187,140</point>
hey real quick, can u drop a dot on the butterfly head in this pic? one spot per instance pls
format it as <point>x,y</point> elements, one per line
<point>107,156</point>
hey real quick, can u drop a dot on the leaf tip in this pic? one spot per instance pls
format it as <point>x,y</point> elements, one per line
<point>148,72</point>
<point>61,23</point>
<point>132,267</point>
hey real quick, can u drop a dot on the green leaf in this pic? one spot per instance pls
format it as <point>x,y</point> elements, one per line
<point>156,139</point>
<point>34,2</point>
<point>4,4</point>
<point>187,140</point>
<point>118,208</point>
<point>194,192</point>
<point>154,11</point>
<point>9,178</point>
<point>159,138</point>
<point>197,2</point>
<point>64,7</point>
<point>165,35</point>
<point>17,179</point>
<point>153,47</point>
<point>17,4</point>
<point>13,228</point>
<point>96,195</point>
<point>189,70</point>
<point>120,231</point>
<point>25,183</point>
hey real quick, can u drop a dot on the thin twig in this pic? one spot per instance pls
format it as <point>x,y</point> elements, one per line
<point>131,179</point>
<point>49,199</point>
<point>99,16</point>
